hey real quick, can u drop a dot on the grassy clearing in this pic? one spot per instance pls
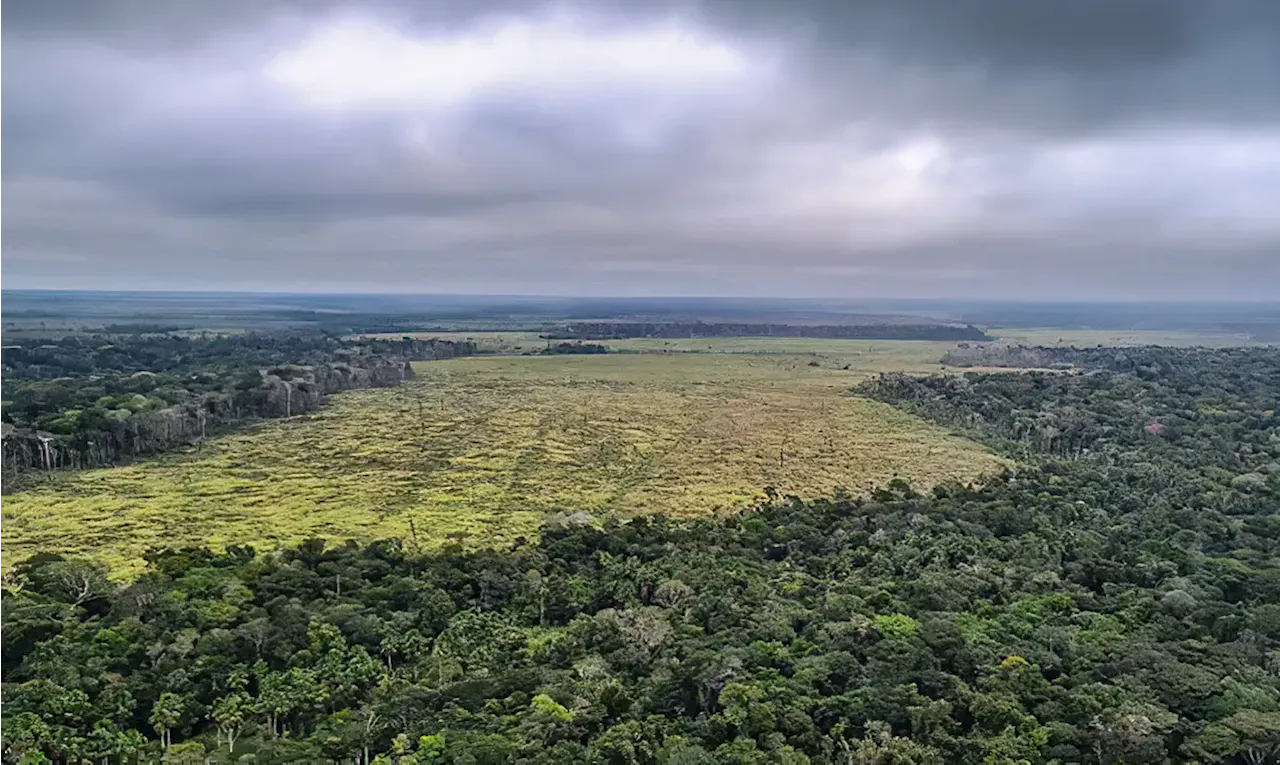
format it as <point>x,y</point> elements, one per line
<point>482,448</point>
<point>861,355</point>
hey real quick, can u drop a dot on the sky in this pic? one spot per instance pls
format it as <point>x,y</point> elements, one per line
<point>846,148</point>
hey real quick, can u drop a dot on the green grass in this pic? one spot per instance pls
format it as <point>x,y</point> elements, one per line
<point>483,448</point>
<point>866,355</point>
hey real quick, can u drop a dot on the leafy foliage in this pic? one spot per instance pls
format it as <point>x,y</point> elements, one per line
<point>1116,602</point>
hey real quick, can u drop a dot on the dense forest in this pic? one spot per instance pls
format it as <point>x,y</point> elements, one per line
<point>90,400</point>
<point>1115,599</point>
<point>1149,361</point>
<point>1208,411</point>
<point>621,330</point>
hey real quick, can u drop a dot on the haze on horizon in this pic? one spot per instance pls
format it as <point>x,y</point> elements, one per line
<point>841,148</point>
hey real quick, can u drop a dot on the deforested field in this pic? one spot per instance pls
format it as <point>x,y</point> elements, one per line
<point>481,449</point>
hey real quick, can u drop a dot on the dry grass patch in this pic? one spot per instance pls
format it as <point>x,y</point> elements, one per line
<point>482,448</point>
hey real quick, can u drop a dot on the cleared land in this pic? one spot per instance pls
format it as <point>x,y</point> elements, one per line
<point>483,448</point>
<point>862,356</point>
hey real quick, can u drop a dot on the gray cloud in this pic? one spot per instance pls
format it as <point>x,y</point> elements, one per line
<point>934,148</point>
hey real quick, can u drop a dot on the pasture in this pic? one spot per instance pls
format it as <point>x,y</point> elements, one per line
<point>481,449</point>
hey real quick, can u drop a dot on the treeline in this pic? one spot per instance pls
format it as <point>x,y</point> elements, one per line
<point>1121,605</point>
<point>575,348</point>
<point>1205,410</point>
<point>1144,361</point>
<point>622,330</point>
<point>88,401</point>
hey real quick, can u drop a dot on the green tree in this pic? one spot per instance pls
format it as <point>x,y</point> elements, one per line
<point>231,713</point>
<point>166,714</point>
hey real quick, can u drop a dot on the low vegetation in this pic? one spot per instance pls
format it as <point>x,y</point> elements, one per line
<point>481,449</point>
<point>856,357</point>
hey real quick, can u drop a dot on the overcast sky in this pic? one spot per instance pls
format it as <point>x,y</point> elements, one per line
<point>861,148</point>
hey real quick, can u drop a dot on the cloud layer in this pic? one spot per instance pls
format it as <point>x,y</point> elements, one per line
<point>733,147</point>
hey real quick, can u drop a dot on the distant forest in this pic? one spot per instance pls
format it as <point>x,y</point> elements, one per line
<point>1113,599</point>
<point>92,400</point>
<point>41,311</point>
<point>573,349</point>
<point>621,330</point>
<point>1150,361</point>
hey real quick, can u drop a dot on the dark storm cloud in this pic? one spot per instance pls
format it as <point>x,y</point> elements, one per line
<point>1050,66</point>
<point>937,147</point>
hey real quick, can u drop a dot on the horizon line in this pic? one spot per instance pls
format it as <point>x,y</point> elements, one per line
<point>546,296</point>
